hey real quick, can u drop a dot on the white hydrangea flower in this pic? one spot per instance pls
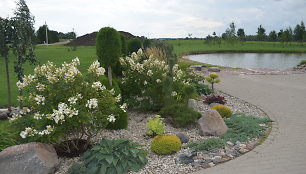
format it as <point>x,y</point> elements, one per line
<point>38,116</point>
<point>95,68</point>
<point>28,132</point>
<point>47,131</point>
<point>92,103</point>
<point>111,118</point>
<point>118,98</point>
<point>158,80</point>
<point>145,82</point>
<point>150,73</point>
<point>40,87</point>
<point>123,107</point>
<point>98,86</point>
<point>174,94</point>
<point>14,117</point>
<point>40,99</point>
<point>112,91</point>
<point>73,100</point>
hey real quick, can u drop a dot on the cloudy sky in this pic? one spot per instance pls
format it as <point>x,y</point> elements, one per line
<point>163,18</point>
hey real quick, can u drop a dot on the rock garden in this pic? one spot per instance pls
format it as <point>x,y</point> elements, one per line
<point>140,113</point>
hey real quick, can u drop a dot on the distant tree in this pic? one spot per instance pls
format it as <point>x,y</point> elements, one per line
<point>123,45</point>
<point>133,45</point>
<point>189,35</point>
<point>273,36</point>
<point>22,39</point>
<point>108,48</point>
<point>290,36</point>
<point>53,36</point>
<point>299,31</point>
<point>214,34</point>
<point>241,34</point>
<point>5,36</point>
<point>218,41</point>
<point>146,43</point>
<point>69,35</point>
<point>230,34</point>
<point>261,33</point>
<point>208,39</point>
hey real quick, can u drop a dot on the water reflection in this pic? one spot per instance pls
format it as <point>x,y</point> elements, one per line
<point>250,60</point>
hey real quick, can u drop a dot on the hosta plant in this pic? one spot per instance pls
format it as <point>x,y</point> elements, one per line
<point>112,156</point>
<point>67,104</point>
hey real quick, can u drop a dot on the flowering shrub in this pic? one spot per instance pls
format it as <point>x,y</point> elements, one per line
<point>144,78</point>
<point>67,103</point>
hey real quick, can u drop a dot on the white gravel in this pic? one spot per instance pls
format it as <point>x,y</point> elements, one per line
<point>163,164</point>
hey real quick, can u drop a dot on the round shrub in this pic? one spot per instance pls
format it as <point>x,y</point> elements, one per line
<point>224,111</point>
<point>166,144</point>
<point>133,45</point>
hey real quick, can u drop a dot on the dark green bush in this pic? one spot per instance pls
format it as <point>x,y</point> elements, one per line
<point>181,115</point>
<point>202,89</point>
<point>207,144</point>
<point>115,84</point>
<point>133,45</point>
<point>188,92</point>
<point>111,157</point>
<point>242,128</point>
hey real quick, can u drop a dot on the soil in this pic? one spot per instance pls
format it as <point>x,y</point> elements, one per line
<point>74,152</point>
<point>90,39</point>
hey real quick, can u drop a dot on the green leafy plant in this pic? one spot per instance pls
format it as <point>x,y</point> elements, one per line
<point>112,156</point>
<point>155,126</point>
<point>243,128</point>
<point>207,144</point>
<point>181,114</point>
<point>212,79</point>
<point>188,92</point>
<point>166,144</point>
<point>224,111</point>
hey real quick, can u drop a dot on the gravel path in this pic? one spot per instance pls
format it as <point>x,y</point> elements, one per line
<point>283,97</point>
<point>164,164</point>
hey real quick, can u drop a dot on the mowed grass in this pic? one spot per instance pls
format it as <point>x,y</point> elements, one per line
<point>182,47</point>
<point>55,53</point>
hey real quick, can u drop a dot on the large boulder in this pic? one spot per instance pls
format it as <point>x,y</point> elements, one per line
<point>29,158</point>
<point>211,124</point>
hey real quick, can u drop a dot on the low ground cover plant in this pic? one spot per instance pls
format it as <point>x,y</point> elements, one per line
<point>65,103</point>
<point>242,127</point>
<point>111,156</point>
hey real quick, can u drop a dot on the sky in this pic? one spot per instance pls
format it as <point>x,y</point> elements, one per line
<point>162,18</point>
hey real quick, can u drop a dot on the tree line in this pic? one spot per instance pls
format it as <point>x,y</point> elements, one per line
<point>288,35</point>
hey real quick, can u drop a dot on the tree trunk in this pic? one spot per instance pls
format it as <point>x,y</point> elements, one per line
<point>110,78</point>
<point>8,83</point>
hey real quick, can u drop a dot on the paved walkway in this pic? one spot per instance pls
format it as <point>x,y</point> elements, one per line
<point>283,98</point>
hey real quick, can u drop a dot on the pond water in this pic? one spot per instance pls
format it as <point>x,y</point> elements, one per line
<point>250,60</point>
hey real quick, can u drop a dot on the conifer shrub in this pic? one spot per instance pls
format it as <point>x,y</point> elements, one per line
<point>224,111</point>
<point>207,144</point>
<point>180,114</point>
<point>166,144</point>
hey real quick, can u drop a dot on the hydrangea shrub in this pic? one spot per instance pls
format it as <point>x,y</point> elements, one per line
<point>65,103</point>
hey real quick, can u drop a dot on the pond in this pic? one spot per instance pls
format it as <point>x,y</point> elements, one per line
<point>250,60</point>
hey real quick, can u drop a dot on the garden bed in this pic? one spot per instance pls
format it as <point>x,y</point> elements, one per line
<point>136,132</point>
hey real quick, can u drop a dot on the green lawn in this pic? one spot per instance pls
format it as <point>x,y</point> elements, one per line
<point>55,53</point>
<point>59,53</point>
<point>182,47</point>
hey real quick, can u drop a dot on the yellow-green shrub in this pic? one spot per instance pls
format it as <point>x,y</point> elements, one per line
<point>166,144</point>
<point>224,111</point>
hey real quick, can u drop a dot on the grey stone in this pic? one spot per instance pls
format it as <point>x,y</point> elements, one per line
<point>186,158</point>
<point>214,69</point>
<point>196,67</point>
<point>4,113</point>
<point>183,137</point>
<point>211,123</point>
<point>192,103</point>
<point>29,158</point>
